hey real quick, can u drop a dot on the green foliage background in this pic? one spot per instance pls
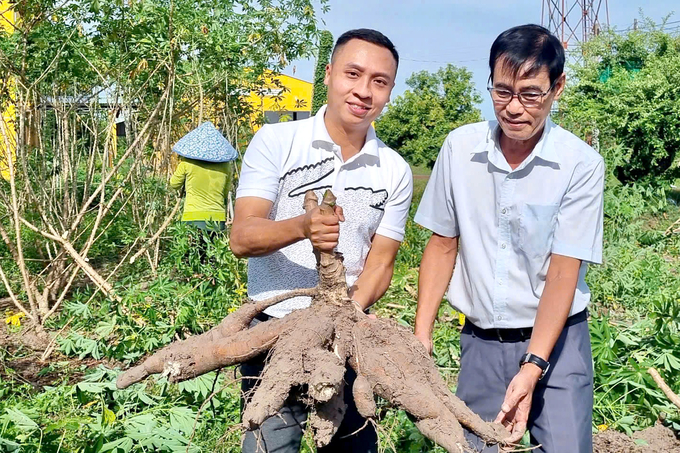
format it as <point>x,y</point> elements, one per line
<point>417,122</point>
<point>322,59</point>
<point>628,87</point>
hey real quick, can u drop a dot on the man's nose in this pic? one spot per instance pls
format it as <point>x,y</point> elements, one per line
<point>362,89</point>
<point>514,107</point>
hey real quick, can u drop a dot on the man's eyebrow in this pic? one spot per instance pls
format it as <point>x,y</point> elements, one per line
<point>356,66</point>
<point>531,87</point>
<point>526,88</point>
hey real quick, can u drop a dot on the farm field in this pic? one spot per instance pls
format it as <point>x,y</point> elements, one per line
<point>97,272</point>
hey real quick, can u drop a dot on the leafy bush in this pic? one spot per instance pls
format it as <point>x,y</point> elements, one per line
<point>417,122</point>
<point>627,87</point>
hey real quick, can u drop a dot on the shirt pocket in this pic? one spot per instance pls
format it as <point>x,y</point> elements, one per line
<point>537,228</point>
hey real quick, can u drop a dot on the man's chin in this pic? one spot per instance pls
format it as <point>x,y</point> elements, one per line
<point>521,135</point>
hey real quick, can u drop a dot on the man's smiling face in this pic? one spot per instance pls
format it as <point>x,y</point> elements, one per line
<point>360,79</point>
<point>517,121</point>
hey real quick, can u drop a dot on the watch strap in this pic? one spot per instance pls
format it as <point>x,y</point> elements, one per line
<point>528,357</point>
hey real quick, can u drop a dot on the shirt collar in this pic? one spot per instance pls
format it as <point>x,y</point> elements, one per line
<point>322,139</point>
<point>544,149</point>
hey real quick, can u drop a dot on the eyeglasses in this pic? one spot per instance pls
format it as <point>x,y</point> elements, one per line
<point>528,99</point>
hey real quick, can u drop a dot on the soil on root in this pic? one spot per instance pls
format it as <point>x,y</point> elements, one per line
<point>657,439</point>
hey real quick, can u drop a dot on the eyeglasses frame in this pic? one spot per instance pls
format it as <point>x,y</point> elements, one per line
<point>519,95</point>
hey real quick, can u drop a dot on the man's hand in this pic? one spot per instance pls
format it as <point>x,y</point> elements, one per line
<point>514,413</point>
<point>426,340</point>
<point>323,230</point>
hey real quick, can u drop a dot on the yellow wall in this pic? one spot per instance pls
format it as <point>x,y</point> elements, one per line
<point>297,97</point>
<point>8,113</point>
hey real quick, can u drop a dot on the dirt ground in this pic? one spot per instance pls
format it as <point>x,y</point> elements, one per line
<point>657,439</point>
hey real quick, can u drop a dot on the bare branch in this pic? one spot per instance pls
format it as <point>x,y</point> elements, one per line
<point>12,296</point>
<point>153,238</point>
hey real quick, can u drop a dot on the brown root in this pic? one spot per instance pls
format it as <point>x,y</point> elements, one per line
<point>326,419</point>
<point>444,431</point>
<point>201,354</point>
<point>363,397</point>
<point>291,363</point>
<point>399,370</point>
<point>309,352</point>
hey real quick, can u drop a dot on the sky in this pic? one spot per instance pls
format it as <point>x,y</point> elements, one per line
<point>430,34</point>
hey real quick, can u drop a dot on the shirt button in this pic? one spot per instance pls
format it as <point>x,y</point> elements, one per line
<point>504,211</point>
<point>503,246</point>
<point>500,318</point>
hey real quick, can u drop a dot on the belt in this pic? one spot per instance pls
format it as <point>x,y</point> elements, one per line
<point>515,335</point>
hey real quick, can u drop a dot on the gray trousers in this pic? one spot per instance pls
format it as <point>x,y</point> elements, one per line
<point>282,433</point>
<point>562,408</point>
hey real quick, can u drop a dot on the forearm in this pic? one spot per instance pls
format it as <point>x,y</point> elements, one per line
<point>553,311</point>
<point>436,269</point>
<point>256,236</point>
<point>372,284</point>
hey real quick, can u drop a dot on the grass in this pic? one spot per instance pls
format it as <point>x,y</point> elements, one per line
<point>636,305</point>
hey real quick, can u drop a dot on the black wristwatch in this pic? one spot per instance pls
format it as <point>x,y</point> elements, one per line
<point>536,360</point>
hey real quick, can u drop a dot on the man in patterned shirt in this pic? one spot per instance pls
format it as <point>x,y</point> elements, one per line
<point>336,149</point>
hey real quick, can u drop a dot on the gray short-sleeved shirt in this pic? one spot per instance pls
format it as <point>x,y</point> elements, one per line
<point>511,221</point>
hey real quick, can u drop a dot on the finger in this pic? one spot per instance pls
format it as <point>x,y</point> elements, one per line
<point>372,316</point>
<point>340,213</point>
<point>512,399</point>
<point>326,246</point>
<point>329,237</point>
<point>517,432</point>
<point>330,220</point>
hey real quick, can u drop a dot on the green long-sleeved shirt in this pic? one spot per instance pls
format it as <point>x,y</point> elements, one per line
<point>206,185</point>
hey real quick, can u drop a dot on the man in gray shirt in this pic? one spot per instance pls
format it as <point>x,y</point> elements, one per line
<point>516,204</point>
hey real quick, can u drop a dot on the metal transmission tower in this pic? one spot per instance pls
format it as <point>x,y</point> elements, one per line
<point>575,21</point>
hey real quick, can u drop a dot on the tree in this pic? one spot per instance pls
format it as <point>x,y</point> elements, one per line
<point>310,348</point>
<point>417,122</point>
<point>69,69</point>
<point>320,88</point>
<point>626,89</point>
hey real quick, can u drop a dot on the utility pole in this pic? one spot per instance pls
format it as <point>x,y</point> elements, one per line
<point>574,22</point>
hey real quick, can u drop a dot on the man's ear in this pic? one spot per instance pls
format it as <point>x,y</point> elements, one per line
<point>328,74</point>
<point>560,85</point>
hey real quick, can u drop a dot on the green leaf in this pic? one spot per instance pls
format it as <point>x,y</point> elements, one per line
<point>123,444</point>
<point>21,420</point>
<point>105,328</point>
<point>182,419</point>
<point>95,387</point>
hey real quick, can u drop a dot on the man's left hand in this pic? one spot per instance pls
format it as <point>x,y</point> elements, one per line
<point>514,413</point>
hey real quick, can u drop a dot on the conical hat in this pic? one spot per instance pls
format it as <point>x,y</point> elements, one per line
<point>205,143</point>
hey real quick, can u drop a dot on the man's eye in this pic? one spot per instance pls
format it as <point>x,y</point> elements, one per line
<point>531,96</point>
<point>503,93</point>
<point>353,74</point>
<point>381,82</point>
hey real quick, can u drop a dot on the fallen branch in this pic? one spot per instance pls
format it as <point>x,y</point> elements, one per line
<point>672,396</point>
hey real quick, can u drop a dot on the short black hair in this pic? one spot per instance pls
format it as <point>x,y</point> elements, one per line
<point>528,44</point>
<point>368,35</point>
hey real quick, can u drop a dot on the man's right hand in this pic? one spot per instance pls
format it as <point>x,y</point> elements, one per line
<point>323,230</point>
<point>426,340</point>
